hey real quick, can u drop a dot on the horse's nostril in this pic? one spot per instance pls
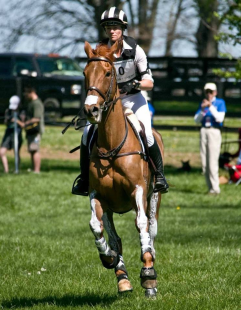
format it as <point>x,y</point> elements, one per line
<point>95,109</point>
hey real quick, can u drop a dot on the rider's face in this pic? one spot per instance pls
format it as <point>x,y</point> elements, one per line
<point>114,33</point>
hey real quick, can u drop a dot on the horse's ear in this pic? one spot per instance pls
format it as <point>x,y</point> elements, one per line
<point>88,50</point>
<point>114,47</point>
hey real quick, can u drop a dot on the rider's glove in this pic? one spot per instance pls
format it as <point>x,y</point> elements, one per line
<point>129,86</point>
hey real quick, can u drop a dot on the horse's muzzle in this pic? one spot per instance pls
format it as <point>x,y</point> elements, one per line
<point>93,113</point>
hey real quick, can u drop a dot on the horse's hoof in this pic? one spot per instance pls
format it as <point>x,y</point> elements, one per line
<point>124,286</point>
<point>146,283</point>
<point>151,293</point>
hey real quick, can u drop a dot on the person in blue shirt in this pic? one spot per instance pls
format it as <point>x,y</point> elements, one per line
<point>150,106</point>
<point>210,114</point>
<point>152,111</point>
<point>239,159</point>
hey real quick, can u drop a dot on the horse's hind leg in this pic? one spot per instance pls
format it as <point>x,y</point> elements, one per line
<point>148,275</point>
<point>152,214</point>
<point>147,225</point>
<point>124,284</point>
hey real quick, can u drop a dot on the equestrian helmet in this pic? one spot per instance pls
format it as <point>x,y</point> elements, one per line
<point>113,17</point>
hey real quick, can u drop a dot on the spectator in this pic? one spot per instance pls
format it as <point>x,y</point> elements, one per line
<point>239,159</point>
<point>34,126</point>
<point>210,114</point>
<point>8,138</point>
<point>150,106</point>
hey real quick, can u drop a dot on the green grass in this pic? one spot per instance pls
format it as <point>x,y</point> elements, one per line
<point>189,107</point>
<point>189,121</point>
<point>43,226</point>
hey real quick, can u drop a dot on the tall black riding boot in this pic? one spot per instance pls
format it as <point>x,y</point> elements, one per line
<point>81,183</point>
<point>160,180</point>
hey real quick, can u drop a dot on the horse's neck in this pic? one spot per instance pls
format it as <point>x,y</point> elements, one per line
<point>111,131</point>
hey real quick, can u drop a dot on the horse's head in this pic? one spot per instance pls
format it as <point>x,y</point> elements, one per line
<point>100,80</point>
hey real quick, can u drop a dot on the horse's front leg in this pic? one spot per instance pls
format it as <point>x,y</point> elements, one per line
<point>148,274</point>
<point>108,256</point>
<point>115,243</point>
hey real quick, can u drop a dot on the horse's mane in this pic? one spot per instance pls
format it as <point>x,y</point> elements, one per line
<point>103,50</point>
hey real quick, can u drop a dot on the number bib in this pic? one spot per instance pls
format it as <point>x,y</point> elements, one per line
<point>125,70</point>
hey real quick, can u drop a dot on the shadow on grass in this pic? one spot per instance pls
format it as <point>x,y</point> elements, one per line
<point>179,171</point>
<point>65,301</point>
<point>48,165</point>
<point>51,166</point>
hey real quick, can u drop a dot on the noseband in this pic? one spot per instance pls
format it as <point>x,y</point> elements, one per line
<point>106,96</point>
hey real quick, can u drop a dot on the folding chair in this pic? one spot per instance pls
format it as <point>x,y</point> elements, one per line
<point>234,173</point>
<point>225,157</point>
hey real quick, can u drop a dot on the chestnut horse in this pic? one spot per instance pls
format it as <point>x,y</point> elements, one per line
<point>119,178</point>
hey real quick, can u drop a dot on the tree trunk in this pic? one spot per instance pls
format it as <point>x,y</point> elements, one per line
<point>171,27</point>
<point>209,25</point>
<point>143,31</point>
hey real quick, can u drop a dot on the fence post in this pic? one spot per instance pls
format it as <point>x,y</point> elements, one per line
<point>16,155</point>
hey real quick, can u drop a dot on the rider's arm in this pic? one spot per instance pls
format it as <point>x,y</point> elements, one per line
<point>147,81</point>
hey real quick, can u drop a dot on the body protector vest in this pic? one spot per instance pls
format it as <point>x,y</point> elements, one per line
<point>126,68</point>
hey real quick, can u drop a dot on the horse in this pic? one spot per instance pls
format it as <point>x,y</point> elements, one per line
<point>120,179</point>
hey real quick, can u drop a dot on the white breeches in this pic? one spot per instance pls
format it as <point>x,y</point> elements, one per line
<point>137,103</point>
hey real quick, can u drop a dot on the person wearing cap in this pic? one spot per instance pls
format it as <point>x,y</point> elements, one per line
<point>133,76</point>
<point>35,117</point>
<point>8,138</point>
<point>210,114</point>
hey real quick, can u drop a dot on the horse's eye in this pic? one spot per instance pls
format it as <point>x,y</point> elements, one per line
<point>108,74</point>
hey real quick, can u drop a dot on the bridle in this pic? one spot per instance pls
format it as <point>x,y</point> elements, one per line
<point>107,103</point>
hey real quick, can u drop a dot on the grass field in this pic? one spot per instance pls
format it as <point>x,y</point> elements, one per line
<point>175,107</point>
<point>189,121</point>
<point>48,256</point>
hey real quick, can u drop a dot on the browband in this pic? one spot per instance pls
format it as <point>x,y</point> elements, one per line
<point>99,59</point>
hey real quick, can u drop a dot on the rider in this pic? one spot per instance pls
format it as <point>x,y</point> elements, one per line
<point>133,75</point>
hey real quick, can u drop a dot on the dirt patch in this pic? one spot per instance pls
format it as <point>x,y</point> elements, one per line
<point>48,153</point>
<point>175,159</point>
<point>171,158</point>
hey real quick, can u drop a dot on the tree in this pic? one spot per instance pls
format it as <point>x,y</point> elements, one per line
<point>68,23</point>
<point>213,14</point>
<point>208,27</point>
<point>172,27</point>
<point>231,19</point>
<point>64,25</point>
<point>178,22</point>
<point>143,29</point>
